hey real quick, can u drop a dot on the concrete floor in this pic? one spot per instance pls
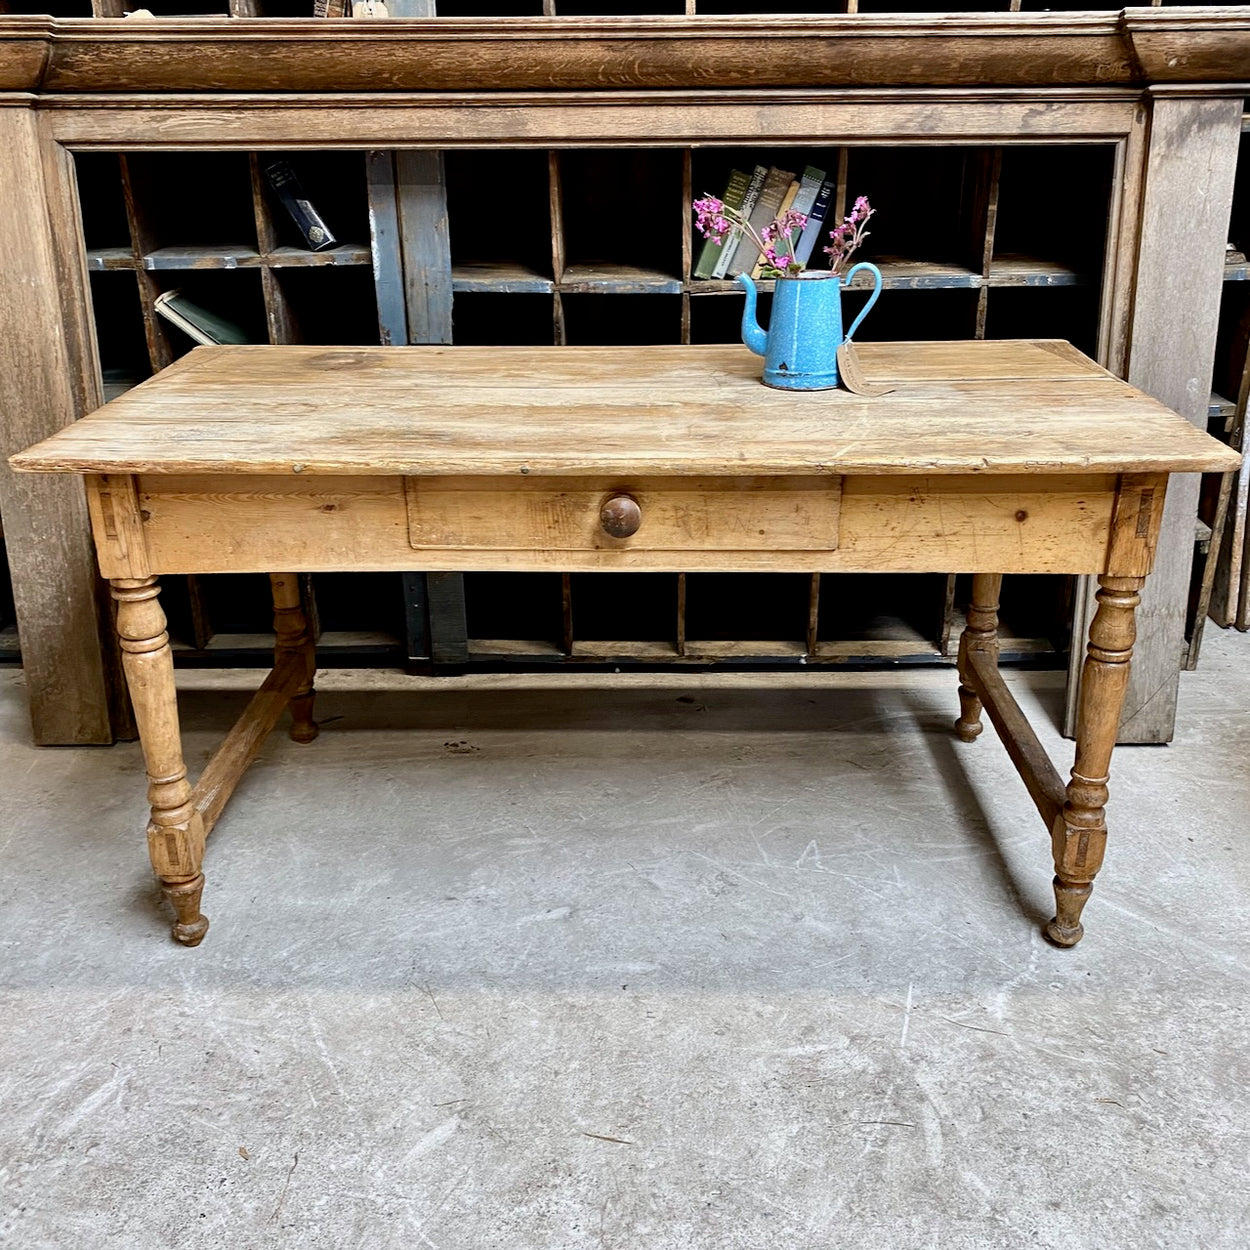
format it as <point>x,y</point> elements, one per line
<point>712,964</point>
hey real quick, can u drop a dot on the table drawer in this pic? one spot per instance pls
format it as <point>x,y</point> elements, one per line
<point>578,514</point>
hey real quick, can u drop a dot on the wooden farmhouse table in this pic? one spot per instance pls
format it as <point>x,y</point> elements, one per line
<point>986,457</point>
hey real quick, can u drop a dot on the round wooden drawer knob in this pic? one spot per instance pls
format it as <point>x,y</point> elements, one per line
<point>620,516</point>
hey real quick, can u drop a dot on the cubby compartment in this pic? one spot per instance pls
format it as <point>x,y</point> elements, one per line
<point>489,8</point>
<point>234,295</point>
<point>638,610</point>
<point>1052,214</point>
<point>483,320</point>
<point>640,320</point>
<point>510,612</point>
<point>195,208</point>
<point>928,212</point>
<point>105,227</point>
<point>621,211</point>
<point>1065,312</point>
<point>747,608</point>
<point>898,614</point>
<point>911,315</point>
<point>120,335</point>
<point>334,185</point>
<point>499,214</point>
<point>329,306</point>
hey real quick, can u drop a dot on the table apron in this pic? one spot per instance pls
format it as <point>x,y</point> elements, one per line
<point>153,524</point>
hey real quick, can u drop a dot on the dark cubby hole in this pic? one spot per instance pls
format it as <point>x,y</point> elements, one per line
<point>618,607</point>
<point>119,329</point>
<point>622,320</point>
<point>104,222</point>
<point>526,606</point>
<point>499,208</point>
<point>487,320</point>
<point>621,208</point>
<point>747,607</point>
<point>330,305</point>
<point>190,198</point>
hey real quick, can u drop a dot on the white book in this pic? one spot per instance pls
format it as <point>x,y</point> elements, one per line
<point>200,324</point>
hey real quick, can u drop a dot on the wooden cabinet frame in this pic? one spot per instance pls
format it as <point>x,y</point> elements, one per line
<point>1158,85</point>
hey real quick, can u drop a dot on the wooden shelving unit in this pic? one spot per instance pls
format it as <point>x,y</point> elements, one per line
<point>576,229</point>
<point>591,247</point>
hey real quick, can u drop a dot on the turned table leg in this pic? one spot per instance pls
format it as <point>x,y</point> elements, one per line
<point>292,636</point>
<point>175,830</point>
<point>1080,831</point>
<point>981,635</point>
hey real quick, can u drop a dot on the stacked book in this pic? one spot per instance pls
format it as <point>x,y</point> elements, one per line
<point>760,197</point>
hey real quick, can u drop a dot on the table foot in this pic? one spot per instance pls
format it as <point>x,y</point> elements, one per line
<point>303,727</point>
<point>1065,928</point>
<point>980,634</point>
<point>191,925</point>
<point>968,727</point>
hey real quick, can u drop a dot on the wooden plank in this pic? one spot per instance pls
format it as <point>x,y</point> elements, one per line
<point>500,278</point>
<point>422,199</point>
<point>619,280</point>
<point>242,744</point>
<point>449,633</point>
<point>604,119</point>
<point>136,192</point>
<point>1193,143</point>
<point>1039,775</point>
<point>386,248</point>
<point>590,410</point>
<point>50,373</point>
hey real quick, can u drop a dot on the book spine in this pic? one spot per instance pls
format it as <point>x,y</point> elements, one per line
<point>735,192</point>
<point>809,188</point>
<point>787,202</point>
<point>815,222</point>
<point>773,192</point>
<point>748,203</point>
<point>287,188</point>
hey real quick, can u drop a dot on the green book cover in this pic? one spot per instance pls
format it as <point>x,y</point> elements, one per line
<point>735,193</point>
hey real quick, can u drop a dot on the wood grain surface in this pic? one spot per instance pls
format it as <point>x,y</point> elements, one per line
<point>956,407</point>
<point>1042,49</point>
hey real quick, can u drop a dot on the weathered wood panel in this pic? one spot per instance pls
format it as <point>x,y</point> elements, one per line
<point>48,372</point>
<point>1193,144</point>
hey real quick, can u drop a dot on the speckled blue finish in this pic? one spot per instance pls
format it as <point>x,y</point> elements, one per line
<point>805,330</point>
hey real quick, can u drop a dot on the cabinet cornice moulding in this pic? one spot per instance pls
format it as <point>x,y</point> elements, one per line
<point>190,55</point>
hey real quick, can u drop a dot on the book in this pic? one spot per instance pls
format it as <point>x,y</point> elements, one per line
<point>776,184</point>
<point>815,223</point>
<point>200,324</point>
<point>809,188</point>
<point>748,203</point>
<point>287,187</point>
<point>735,192</point>
<point>330,8</point>
<point>787,200</point>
